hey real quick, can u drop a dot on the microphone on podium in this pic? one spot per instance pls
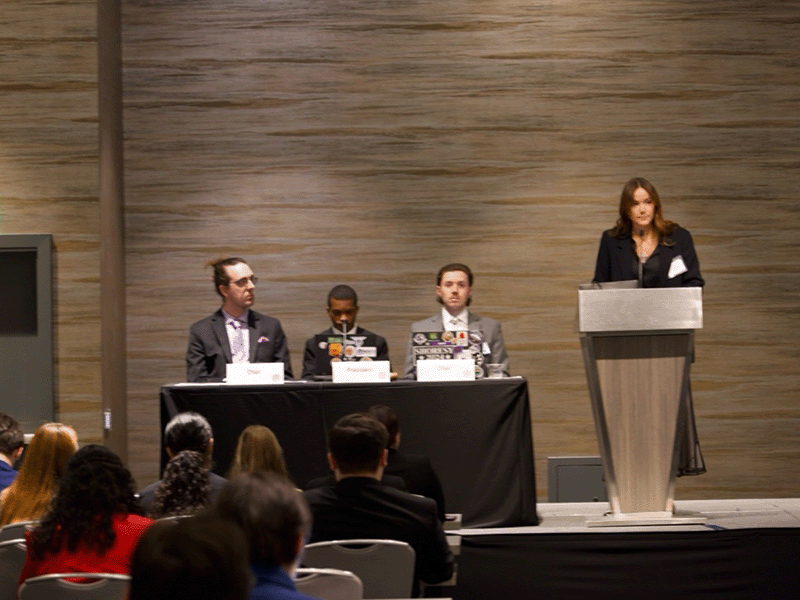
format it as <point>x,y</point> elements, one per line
<point>344,338</point>
<point>641,260</point>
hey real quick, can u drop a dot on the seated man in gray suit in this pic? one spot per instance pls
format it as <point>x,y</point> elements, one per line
<point>234,333</point>
<point>454,293</point>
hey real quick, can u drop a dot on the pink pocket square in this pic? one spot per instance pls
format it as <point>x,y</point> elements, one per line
<point>263,339</point>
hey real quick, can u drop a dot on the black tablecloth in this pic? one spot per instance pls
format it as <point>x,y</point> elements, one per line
<point>477,434</point>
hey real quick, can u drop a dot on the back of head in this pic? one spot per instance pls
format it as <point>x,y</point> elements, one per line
<point>11,435</point>
<point>357,442</point>
<point>43,467</point>
<point>258,450</point>
<point>389,418</point>
<point>185,487</point>
<point>188,431</point>
<point>271,512</point>
<point>95,487</point>
<point>199,557</point>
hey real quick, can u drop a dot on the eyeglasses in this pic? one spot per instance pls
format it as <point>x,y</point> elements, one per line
<point>244,280</point>
<point>339,313</point>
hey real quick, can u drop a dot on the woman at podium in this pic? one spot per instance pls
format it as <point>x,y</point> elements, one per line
<point>645,247</point>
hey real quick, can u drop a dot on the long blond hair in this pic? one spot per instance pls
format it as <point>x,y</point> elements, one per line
<point>258,450</point>
<point>28,497</point>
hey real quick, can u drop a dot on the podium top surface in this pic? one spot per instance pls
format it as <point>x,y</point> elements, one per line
<point>643,309</point>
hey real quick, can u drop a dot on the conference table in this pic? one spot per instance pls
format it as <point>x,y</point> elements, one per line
<point>477,434</point>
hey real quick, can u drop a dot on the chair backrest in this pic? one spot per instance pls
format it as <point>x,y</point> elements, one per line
<point>103,586</point>
<point>328,584</point>
<point>385,567</point>
<point>15,531</point>
<point>12,558</point>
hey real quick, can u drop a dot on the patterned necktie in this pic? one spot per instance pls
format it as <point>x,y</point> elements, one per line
<point>238,351</point>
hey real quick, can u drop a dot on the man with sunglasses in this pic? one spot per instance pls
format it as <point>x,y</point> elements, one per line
<point>342,310</point>
<point>235,333</point>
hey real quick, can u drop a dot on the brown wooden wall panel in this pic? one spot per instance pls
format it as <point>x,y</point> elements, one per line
<point>48,178</point>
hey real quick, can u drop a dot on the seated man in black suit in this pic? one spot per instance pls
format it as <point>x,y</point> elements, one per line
<point>415,469</point>
<point>359,506</point>
<point>343,310</point>
<point>186,431</point>
<point>234,333</point>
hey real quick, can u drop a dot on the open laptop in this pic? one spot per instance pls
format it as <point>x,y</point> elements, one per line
<point>449,345</point>
<point>329,348</point>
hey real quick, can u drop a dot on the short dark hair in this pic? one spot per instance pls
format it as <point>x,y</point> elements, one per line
<point>454,267</point>
<point>357,442</point>
<point>188,431</point>
<point>198,557</point>
<point>220,274</point>
<point>270,511</point>
<point>389,418</point>
<point>11,435</point>
<point>343,292</point>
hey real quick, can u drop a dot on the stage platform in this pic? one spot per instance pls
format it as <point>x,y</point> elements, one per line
<point>745,549</point>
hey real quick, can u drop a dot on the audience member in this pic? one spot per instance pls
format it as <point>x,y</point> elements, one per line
<point>258,450</point>
<point>359,506</point>
<point>415,469</point>
<point>185,488</point>
<point>186,431</point>
<point>12,441</point>
<point>94,522</point>
<point>275,520</point>
<point>28,498</point>
<point>202,558</point>
<point>342,310</point>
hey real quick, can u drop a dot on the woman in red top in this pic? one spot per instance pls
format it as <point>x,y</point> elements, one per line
<point>94,522</point>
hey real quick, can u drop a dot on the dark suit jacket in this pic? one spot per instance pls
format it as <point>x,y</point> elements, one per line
<point>361,507</point>
<point>209,350</point>
<point>310,353</point>
<point>147,495</point>
<point>394,481</point>
<point>418,474</point>
<point>617,261</point>
<point>492,334</point>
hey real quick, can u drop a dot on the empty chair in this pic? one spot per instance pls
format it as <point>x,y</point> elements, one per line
<point>329,584</point>
<point>103,586</point>
<point>15,531</point>
<point>385,567</point>
<point>12,557</point>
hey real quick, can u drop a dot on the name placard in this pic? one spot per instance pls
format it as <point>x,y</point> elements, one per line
<point>446,370</point>
<point>361,371</point>
<point>254,373</point>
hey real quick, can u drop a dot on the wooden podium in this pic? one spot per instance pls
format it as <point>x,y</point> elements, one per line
<point>637,347</point>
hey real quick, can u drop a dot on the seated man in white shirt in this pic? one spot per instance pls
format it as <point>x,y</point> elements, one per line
<point>454,293</point>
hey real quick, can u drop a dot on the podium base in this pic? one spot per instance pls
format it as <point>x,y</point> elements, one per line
<point>639,519</point>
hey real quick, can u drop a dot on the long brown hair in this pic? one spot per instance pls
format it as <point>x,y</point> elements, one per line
<point>28,497</point>
<point>662,226</point>
<point>258,450</point>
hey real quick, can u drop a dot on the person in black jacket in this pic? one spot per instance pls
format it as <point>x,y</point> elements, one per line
<point>646,247</point>
<point>415,469</point>
<point>360,506</point>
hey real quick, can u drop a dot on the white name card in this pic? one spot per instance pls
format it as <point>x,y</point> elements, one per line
<point>446,370</point>
<point>361,371</point>
<point>254,373</point>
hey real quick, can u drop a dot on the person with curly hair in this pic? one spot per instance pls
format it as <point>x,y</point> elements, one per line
<point>94,522</point>
<point>12,442</point>
<point>258,450</point>
<point>28,498</point>
<point>185,488</point>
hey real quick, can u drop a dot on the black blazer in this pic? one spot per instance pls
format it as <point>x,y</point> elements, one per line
<point>417,472</point>
<point>362,507</point>
<point>617,261</point>
<point>310,352</point>
<point>209,350</point>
